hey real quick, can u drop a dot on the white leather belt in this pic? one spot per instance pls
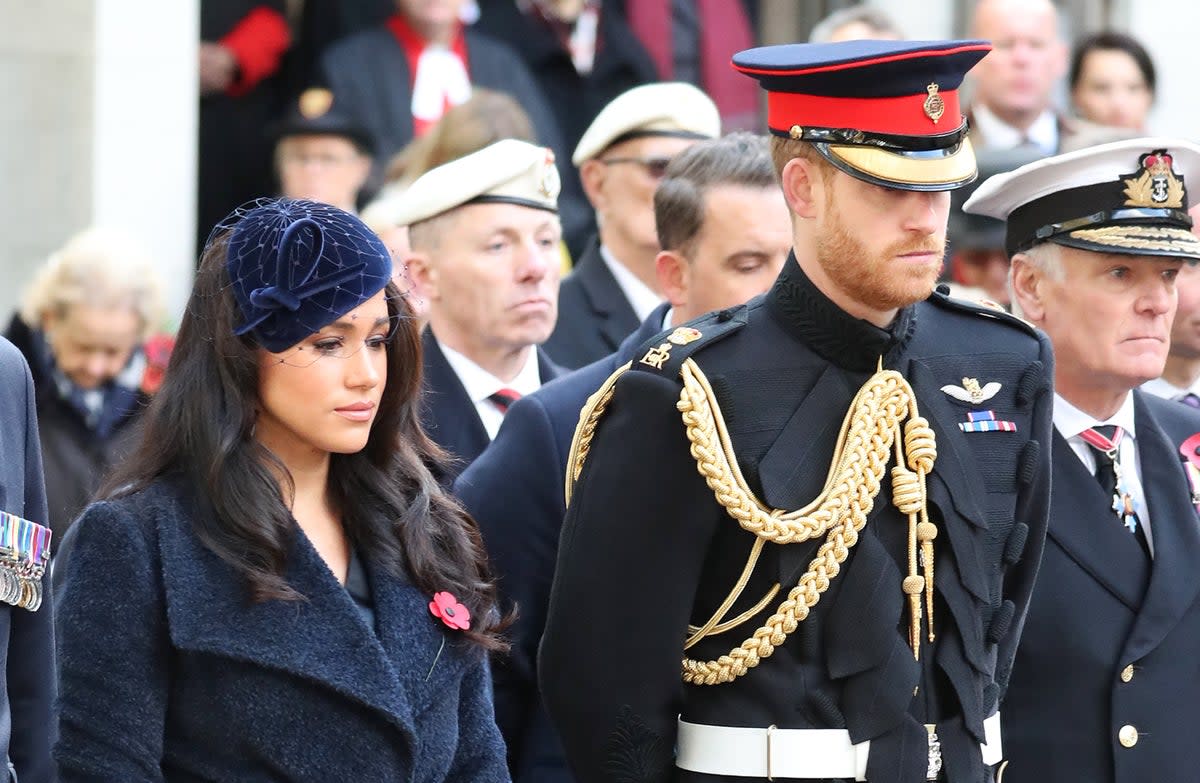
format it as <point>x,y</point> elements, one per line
<point>796,753</point>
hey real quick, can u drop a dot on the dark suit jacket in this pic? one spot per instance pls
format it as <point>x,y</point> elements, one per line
<point>646,549</point>
<point>1099,606</point>
<point>369,74</point>
<point>514,490</point>
<point>27,690</point>
<point>448,414</point>
<point>593,314</point>
<point>170,673</point>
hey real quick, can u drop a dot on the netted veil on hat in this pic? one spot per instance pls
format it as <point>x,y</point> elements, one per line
<point>297,266</point>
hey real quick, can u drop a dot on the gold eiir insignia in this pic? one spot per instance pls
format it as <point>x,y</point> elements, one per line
<point>934,106</point>
<point>1156,185</point>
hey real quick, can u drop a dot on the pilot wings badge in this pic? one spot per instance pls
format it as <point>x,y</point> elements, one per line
<point>971,392</point>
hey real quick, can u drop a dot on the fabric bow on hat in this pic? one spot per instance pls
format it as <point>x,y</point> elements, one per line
<point>297,266</point>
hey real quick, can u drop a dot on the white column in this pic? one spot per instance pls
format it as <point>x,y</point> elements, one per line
<point>1167,28</point>
<point>99,127</point>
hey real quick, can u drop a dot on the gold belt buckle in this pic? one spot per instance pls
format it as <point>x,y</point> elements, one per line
<point>935,753</point>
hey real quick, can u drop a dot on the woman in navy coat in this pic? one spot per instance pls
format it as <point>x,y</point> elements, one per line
<point>276,588</point>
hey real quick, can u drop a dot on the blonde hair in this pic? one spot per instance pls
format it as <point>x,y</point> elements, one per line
<point>483,119</point>
<point>98,267</point>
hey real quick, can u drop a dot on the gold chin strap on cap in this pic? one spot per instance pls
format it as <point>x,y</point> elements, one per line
<point>869,436</point>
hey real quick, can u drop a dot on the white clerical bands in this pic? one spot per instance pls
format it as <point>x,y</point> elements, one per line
<point>789,753</point>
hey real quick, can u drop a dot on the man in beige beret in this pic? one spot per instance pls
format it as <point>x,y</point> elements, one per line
<point>621,158</point>
<point>485,237</point>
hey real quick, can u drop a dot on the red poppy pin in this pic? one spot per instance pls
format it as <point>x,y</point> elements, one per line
<point>446,608</point>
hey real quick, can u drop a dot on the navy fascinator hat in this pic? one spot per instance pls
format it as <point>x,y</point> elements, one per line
<point>297,266</point>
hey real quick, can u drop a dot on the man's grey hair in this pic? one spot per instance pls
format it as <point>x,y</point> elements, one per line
<point>872,17</point>
<point>1047,259</point>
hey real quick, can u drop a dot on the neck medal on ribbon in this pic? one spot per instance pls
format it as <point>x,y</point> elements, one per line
<point>24,552</point>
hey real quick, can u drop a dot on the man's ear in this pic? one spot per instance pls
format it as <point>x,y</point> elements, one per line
<point>1026,281</point>
<point>592,174</point>
<point>802,185</point>
<point>423,273</point>
<point>671,269</point>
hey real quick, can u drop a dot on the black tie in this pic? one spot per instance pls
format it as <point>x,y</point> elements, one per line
<point>1108,463</point>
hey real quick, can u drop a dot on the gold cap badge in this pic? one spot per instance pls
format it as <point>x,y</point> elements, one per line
<point>1156,185</point>
<point>934,106</point>
<point>314,102</point>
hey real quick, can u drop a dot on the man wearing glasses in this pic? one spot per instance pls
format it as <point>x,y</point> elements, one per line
<point>621,157</point>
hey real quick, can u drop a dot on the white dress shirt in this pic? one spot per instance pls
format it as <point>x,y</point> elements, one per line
<point>640,296</point>
<point>481,384</point>
<point>1169,391</point>
<point>998,134</point>
<point>1071,422</point>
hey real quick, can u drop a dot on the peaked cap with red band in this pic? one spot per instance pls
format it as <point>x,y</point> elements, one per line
<point>886,112</point>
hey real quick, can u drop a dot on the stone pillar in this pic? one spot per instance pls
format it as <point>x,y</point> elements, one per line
<point>98,128</point>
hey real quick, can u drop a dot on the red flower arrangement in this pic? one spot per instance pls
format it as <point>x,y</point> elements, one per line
<point>446,608</point>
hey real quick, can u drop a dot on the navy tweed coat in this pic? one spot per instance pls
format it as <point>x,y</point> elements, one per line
<point>170,674</point>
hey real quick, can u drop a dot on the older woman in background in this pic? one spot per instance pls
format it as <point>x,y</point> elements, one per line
<point>82,326</point>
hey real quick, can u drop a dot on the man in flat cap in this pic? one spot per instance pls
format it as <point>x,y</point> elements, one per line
<point>321,154</point>
<point>484,232</point>
<point>1104,687</point>
<point>802,534</point>
<point>621,158</point>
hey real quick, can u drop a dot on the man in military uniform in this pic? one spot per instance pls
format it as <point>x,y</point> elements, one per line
<point>829,503</point>
<point>1104,688</point>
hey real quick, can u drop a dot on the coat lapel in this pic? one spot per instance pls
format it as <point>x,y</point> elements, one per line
<point>320,638</point>
<point>1083,524</point>
<point>613,311</point>
<point>1175,530</point>
<point>448,414</point>
<point>547,369</point>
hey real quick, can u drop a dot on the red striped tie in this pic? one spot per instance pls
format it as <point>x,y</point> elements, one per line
<point>504,398</point>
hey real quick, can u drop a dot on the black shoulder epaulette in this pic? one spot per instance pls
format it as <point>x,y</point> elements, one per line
<point>986,308</point>
<point>666,352</point>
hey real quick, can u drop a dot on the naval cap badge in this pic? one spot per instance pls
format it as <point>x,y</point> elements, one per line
<point>1155,184</point>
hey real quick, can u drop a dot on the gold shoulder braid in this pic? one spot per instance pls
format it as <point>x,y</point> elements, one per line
<point>868,437</point>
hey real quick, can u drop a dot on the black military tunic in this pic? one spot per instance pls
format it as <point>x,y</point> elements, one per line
<point>646,549</point>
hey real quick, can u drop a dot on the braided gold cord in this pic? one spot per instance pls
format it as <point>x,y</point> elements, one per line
<point>589,417</point>
<point>840,511</point>
<point>869,431</point>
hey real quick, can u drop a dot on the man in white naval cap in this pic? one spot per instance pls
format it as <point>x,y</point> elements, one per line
<point>1104,687</point>
<point>485,236</point>
<point>622,156</point>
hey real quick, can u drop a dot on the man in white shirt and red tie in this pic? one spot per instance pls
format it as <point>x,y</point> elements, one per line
<point>485,236</point>
<point>1104,687</point>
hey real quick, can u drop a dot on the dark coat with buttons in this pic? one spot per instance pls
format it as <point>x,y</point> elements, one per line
<point>170,674</point>
<point>514,490</point>
<point>646,550</point>
<point>1113,639</point>
<point>27,689</point>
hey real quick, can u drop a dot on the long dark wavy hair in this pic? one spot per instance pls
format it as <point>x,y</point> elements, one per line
<point>199,428</point>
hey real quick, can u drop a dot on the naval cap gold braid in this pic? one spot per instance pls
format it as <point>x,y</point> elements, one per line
<point>840,511</point>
